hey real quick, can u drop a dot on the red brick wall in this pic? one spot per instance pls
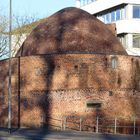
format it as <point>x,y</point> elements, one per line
<point>56,86</point>
<point>112,27</point>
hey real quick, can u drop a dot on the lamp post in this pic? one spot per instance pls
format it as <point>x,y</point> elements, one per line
<point>9,80</point>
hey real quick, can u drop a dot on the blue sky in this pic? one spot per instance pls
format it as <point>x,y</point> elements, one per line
<point>38,8</point>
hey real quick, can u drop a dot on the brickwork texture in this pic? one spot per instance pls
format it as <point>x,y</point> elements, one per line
<point>49,88</point>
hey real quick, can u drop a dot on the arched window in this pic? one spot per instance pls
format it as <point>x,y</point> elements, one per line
<point>114,62</point>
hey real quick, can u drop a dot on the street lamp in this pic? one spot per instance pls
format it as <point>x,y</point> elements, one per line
<point>9,80</point>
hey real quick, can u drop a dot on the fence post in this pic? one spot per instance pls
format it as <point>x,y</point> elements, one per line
<point>62,123</point>
<point>42,120</point>
<point>134,129</point>
<point>65,121</point>
<point>97,124</point>
<point>80,124</point>
<point>115,126</point>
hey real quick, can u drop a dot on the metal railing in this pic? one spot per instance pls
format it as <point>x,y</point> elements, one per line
<point>102,125</point>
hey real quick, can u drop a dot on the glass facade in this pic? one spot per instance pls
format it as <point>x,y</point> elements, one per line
<point>118,14</point>
<point>136,11</point>
<point>136,40</point>
<point>130,40</point>
<point>85,2</point>
<point>111,16</point>
<point>123,39</point>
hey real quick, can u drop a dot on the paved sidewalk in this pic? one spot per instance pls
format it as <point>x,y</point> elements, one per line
<point>40,134</point>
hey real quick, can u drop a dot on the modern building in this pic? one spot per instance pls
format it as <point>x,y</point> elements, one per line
<point>124,13</point>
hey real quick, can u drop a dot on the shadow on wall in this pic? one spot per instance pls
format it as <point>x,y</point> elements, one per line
<point>23,96</point>
<point>135,103</point>
<point>136,74</point>
<point>36,107</point>
<point>22,104</point>
<point>27,105</point>
<point>4,92</point>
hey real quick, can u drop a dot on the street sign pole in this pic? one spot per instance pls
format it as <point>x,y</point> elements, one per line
<point>9,83</point>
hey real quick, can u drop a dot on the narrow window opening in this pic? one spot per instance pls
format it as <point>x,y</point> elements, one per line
<point>110,93</point>
<point>114,62</point>
<point>93,104</point>
<point>58,67</point>
<point>76,67</point>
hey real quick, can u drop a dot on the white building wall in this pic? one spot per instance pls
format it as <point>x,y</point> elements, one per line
<point>129,41</point>
<point>78,3</point>
<point>129,13</point>
<point>127,25</point>
<point>17,41</point>
<point>101,5</point>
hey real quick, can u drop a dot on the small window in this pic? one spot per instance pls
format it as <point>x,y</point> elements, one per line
<point>114,62</point>
<point>93,104</point>
<point>110,93</point>
<point>58,67</point>
<point>38,71</point>
<point>76,67</point>
<point>25,103</point>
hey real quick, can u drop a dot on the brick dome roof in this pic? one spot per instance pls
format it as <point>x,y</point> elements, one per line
<point>71,30</point>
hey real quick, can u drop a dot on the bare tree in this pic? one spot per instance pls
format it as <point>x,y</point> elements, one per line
<point>3,46</point>
<point>22,26</point>
<point>3,37</point>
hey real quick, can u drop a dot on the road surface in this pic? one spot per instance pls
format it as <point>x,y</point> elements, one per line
<point>24,134</point>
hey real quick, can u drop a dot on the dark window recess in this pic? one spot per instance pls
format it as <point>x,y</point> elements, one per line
<point>110,93</point>
<point>58,67</point>
<point>25,103</point>
<point>93,105</point>
<point>106,62</point>
<point>76,67</point>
